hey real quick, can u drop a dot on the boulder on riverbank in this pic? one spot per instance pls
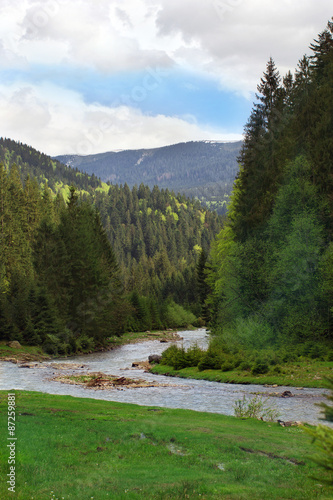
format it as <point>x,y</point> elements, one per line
<point>14,344</point>
<point>154,358</point>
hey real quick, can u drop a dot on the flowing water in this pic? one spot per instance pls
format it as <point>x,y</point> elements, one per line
<point>199,395</point>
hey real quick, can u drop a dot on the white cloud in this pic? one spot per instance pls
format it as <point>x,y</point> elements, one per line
<point>231,40</point>
<point>228,41</point>
<point>89,34</point>
<point>237,37</point>
<point>56,121</point>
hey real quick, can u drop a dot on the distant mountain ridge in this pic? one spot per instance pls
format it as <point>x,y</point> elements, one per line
<point>202,169</point>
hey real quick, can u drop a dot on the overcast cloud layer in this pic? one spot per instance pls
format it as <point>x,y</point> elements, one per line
<point>86,76</point>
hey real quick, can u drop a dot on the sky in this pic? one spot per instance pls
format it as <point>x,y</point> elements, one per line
<point>89,76</point>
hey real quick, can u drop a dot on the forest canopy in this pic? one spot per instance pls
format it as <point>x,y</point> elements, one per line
<point>270,270</point>
<point>93,260</point>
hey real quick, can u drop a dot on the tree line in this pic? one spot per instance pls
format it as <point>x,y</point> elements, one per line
<point>76,271</point>
<point>270,271</point>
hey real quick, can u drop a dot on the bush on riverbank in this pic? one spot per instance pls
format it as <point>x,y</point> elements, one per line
<point>266,366</point>
<point>220,356</point>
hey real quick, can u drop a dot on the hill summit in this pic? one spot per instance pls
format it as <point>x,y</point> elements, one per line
<point>203,169</point>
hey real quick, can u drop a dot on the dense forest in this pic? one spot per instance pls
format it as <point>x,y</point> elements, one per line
<point>41,167</point>
<point>157,238</point>
<point>270,271</point>
<point>82,263</point>
<point>267,285</point>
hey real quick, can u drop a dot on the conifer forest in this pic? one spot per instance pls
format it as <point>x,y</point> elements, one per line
<point>83,260</point>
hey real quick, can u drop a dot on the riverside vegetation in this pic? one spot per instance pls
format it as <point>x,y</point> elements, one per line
<point>244,366</point>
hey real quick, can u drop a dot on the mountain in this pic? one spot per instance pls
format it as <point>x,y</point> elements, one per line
<point>204,169</point>
<point>44,169</point>
<point>157,239</point>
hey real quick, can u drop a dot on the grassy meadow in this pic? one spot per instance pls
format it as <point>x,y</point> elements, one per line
<point>81,449</point>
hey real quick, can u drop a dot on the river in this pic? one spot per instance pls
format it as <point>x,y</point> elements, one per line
<point>199,395</point>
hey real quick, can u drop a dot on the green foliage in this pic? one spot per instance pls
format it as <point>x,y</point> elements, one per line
<point>270,269</point>
<point>250,333</point>
<point>42,168</point>
<point>178,358</point>
<point>154,234</point>
<point>140,318</point>
<point>256,407</point>
<point>157,252</point>
<point>173,167</point>
<point>245,366</point>
<point>260,367</point>
<point>59,273</point>
<point>60,276</point>
<point>323,439</point>
<point>177,317</point>
<point>210,361</point>
<point>328,409</point>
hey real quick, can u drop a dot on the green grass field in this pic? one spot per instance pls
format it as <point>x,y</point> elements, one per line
<point>71,448</point>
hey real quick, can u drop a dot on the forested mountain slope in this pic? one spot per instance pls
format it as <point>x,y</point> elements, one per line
<point>43,168</point>
<point>203,169</point>
<point>157,238</point>
<point>271,267</point>
<point>92,260</point>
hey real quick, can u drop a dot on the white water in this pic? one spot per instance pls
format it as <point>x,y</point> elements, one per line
<point>199,395</point>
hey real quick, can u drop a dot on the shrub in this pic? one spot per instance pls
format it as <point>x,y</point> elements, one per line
<point>328,410</point>
<point>245,366</point>
<point>64,349</point>
<point>323,438</point>
<point>51,344</point>
<point>250,333</point>
<point>194,355</point>
<point>227,366</point>
<point>200,322</point>
<point>237,360</point>
<point>255,408</point>
<point>210,361</point>
<point>168,355</point>
<point>329,356</point>
<point>178,358</point>
<point>317,352</point>
<point>87,343</point>
<point>260,367</point>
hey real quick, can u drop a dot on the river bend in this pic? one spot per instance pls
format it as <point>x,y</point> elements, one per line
<point>199,395</point>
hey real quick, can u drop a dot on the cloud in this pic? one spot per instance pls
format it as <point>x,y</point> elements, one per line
<point>124,17</point>
<point>237,37</point>
<point>55,120</point>
<point>89,34</point>
<point>230,40</point>
<point>225,42</point>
